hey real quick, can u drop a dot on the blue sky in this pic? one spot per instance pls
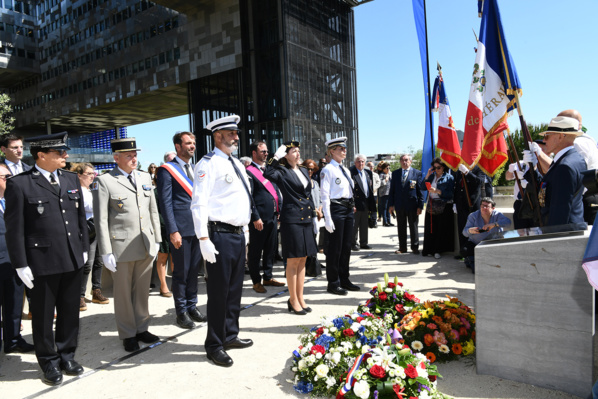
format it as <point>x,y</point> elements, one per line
<point>551,43</point>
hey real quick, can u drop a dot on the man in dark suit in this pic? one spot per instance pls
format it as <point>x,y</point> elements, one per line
<point>12,147</point>
<point>561,188</point>
<point>264,215</point>
<point>11,287</point>
<point>47,242</point>
<point>406,199</point>
<point>468,184</point>
<point>364,201</point>
<point>175,185</point>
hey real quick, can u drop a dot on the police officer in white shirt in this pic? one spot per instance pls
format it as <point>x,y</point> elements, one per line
<point>336,190</point>
<point>221,207</point>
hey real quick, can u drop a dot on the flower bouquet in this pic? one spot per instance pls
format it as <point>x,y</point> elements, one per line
<point>391,371</point>
<point>441,330</point>
<point>390,301</point>
<point>328,351</point>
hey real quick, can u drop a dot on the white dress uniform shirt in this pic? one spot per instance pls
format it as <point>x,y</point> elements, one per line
<point>334,185</point>
<point>586,146</point>
<point>47,174</point>
<point>218,193</point>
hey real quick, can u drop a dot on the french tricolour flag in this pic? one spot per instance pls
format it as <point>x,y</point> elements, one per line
<point>448,142</point>
<point>491,97</point>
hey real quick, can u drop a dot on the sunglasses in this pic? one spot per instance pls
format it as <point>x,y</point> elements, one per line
<point>4,177</point>
<point>438,167</point>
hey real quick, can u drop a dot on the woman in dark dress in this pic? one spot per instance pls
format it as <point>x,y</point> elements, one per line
<point>439,228</point>
<point>296,219</point>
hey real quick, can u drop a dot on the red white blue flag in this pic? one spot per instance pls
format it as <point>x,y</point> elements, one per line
<point>491,97</point>
<point>448,142</point>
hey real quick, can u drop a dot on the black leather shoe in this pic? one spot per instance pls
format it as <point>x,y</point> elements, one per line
<point>416,252</point>
<point>197,316</point>
<point>52,376</point>
<point>184,321</point>
<point>337,291</point>
<point>21,346</point>
<point>71,367</point>
<point>365,246</point>
<point>307,309</point>
<point>220,358</point>
<point>349,286</point>
<point>237,343</point>
<point>131,344</point>
<point>147,337</point>
<point>354,248</point>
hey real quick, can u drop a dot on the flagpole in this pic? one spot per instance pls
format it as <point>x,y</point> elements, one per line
<point>428,93</point>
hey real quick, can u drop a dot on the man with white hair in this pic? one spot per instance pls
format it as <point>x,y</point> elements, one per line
<point>364,201</point>
<point>169,156</point>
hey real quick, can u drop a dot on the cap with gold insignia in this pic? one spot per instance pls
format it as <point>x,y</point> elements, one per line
<point>291,144</point>
<point>56,141</point>
<point>123,145</point>
<point>227,123</point>
<point>339,141</point>
<point>563,124</point>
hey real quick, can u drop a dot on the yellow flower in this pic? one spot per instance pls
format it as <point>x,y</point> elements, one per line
<point>468,348</point>
<point>471,317</point>
<point>451,304</point>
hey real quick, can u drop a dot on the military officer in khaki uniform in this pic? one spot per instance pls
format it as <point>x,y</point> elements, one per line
<point>128,231</point>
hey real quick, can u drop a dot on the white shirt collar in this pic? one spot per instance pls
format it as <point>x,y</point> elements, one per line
<point>10,163</point>
<point>181,162</point>
<point>220,153</point>
<point>125,173</point>
<point>47,174</point>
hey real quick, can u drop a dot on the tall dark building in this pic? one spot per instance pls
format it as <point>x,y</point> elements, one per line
<point>286,66</point>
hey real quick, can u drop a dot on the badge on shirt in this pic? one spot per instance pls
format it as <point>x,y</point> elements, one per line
<point>40,209</point>
<point>337,181</point>
<point>73,191</point>
<point>147,187</point>
<point>95,185</point>
<point>201,174</point>
<point>228,179</point>
<point>120,204</point>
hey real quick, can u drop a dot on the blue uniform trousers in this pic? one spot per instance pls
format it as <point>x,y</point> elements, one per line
<point>224,287</point>
<point>184,275</point>
<point>339,246</point>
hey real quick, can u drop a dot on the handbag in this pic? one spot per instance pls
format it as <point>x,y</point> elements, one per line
<point>312,266</point>
<point>437,206</point>
<point>91,229</point>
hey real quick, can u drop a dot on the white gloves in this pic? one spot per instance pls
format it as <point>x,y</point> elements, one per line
<point>85,257</point>
<point>281,152</point>
<point>157,247</point>
<point>26,276</point>
<point>246,234</point>
<point>463,169</point>
<point>208,250</point>
<point>534,147</point>
<point>520,174</point>
<point>109,262</point>
<point>455,208</point>
<point>513,167</point>
<point>329,224</point>
<point>523,183</point>
<point>530,157</point>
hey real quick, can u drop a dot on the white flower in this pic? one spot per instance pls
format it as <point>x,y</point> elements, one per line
<point>311,359</point>
<point>333,329</point>
<point>327,356</point>
<point>420,356</point>
<point>365,349</point>
<point>392,373</point>
<point>424,394</point>
<point>322,371</point>
<point>303,351</point>
<point>388,290</point>
<point>355,327</point>
<point>336,357</point>
<point>417,345</point>
<point>358,344</point>
<point>309,346</point>
<point>294,369</point>
<point>362,389</point>
<point>318,355</point>
<point>444,349</point>
<point>401,373</point>
<point>302,364</point>
<point>330,381</point>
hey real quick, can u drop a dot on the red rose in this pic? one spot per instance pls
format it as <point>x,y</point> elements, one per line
<point>400,308</point>
<point>382,296</point>
<point>319,331</point>
<point>377,371</point>
<point>318,349</point>
<point>391,285</point>
<point>410,297</point>
<point>432,378</point>
<point>366,356</point>
<point>348,332</point>
<point>411,371</point>
<point>359,319</point>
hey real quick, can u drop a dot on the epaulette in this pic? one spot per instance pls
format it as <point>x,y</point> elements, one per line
<point>304,167</point>
<point>208,156</point>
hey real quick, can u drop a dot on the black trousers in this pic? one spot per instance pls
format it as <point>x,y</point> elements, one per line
<point>11,302</point>
<point>187,260</point>
<point>262,246</point>
<point>360,227</point>
<point>61,292</point>
<point>224,287</point>
<point>410,218</point>
<point>339,245</point>
<point>590,208</point>
<point>94,266</point>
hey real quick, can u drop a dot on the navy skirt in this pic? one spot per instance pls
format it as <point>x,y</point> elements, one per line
<point>298,240</point>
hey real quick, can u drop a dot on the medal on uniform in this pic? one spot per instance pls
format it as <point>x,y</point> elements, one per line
<point>119,204</point>
<point>228,179</point>
<point>542,195</point>
<point>40,209</point>
<point>337,181</point>
<point>412,184</point>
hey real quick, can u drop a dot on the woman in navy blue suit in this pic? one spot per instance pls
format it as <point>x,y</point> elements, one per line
<point>296,219</point>
<point>439,235</point>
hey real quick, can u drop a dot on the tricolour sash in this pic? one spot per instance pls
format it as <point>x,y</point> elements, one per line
<point>181,177</point>
<point>258,173</point>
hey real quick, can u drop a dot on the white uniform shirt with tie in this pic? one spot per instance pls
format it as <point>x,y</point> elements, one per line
<point>334,185</point>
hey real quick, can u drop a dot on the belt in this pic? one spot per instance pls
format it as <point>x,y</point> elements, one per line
<point>347,203</point>
<point>219,227</point>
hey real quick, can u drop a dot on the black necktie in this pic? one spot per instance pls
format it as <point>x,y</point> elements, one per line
<point>54,184</point>
<point>238,172</point>
<point>188,171</point>
<point>130,177</point>
<point>347,177</point>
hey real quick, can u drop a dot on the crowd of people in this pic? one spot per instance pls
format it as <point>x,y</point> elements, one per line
<point>214,218</point>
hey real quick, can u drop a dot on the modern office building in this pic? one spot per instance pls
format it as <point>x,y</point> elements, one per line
<point>287,67</point>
